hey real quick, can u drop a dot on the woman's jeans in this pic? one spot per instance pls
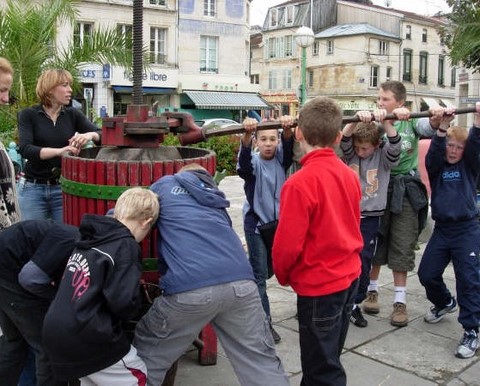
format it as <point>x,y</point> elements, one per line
<point>40,201</point>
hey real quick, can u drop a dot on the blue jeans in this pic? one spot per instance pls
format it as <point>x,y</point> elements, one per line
<point>257,255</point>
<point>323,325</point>
<point>369,228</point>
<point>28,376</point>
<point>234,310</point>
<point>40,201</point>
<point>21,320</point>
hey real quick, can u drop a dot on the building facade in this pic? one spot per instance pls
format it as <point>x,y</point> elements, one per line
<point>197,57</point>
<point>356,48</point>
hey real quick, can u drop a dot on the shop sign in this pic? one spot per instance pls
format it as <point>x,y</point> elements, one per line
<point>152,75</point>
<point>106,71</point>
<point>91,73</point>
<point>280,98</point>
<point>219,87</point>
<point>88,73</point>
<point>151,78</point>
<point>357,105</point>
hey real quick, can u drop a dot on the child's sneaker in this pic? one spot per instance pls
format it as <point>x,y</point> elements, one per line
<point>468,345</point>
<point>434,314</point>
<point>357,318</point>
<point>370,304</point>
<point>399,316</point>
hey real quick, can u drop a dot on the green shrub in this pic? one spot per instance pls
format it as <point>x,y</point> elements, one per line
<point>8,124</point>
<point>226,148</point>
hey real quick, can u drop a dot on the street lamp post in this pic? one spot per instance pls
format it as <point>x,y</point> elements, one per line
<point>304,38</point>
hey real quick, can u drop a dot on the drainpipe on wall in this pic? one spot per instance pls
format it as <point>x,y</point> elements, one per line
<point>177,35</point>
<point>400,60</point>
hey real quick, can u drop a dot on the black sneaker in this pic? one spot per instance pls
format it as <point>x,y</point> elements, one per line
<point>276,337</point>
<point>357,318</point>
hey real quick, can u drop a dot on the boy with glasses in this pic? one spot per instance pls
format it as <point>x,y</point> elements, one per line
<point>453,167</point>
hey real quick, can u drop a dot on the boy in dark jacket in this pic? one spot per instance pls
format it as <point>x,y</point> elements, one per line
<point>453,167</point>
<point>33,255</point>
<point>100,290</point>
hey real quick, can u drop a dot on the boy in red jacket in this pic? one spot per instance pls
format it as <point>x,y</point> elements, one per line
<point>318,242</point>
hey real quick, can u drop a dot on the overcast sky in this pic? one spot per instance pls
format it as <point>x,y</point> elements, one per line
<point>422,7</point>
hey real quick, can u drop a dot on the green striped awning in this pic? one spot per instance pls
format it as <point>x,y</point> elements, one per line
<point>226,100</point>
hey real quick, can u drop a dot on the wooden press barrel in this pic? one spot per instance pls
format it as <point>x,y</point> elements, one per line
<point>92,181</point>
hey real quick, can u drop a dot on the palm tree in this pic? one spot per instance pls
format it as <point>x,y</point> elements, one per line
<point>463,35</point>
<point>28,38</point>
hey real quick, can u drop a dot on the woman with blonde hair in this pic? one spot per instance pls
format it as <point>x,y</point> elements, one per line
<point>48,131</point>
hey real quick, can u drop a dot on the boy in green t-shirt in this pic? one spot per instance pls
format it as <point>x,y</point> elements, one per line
<point>402,222</point>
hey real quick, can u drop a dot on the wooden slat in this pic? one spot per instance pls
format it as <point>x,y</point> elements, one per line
<point>168,168</point>
<point>90,179</point>
<point>111,179</point>
<point>81,177</point>
<point>157,170</point>
<point>75,216</point>
<point>123,178</point>
<point>146,175</point>
<point>66,198</point>
<point>178,164</point>
<point>100,179</point>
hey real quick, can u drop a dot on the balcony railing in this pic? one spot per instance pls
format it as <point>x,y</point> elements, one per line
<point>422,79</point>
<point>209,70</point>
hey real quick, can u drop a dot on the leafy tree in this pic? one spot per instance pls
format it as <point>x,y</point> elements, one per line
<point>29,37</point>
<point>462,37</point>
<point>225,147</point>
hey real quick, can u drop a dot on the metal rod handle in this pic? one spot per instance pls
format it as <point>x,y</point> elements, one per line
<point>267,125</point>
<point>421,114</point>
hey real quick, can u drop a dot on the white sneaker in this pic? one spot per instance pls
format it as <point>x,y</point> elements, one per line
<point>435,315</point>
<point>468,345</point>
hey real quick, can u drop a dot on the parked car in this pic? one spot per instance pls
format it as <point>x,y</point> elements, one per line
<point>216,122</point>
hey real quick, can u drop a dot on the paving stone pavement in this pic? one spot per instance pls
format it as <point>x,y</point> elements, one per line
<point>419,354</point>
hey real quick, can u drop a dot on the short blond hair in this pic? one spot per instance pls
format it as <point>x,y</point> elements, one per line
<point>192,166</point>
<point>5,66</point>
<point>137,204</point>
<point>48,80</point>
<point>457,133</point>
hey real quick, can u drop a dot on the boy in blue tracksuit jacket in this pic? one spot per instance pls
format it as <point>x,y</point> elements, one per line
<point>453,167</point>
<point>263,171</point>
<point>205,278</point>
